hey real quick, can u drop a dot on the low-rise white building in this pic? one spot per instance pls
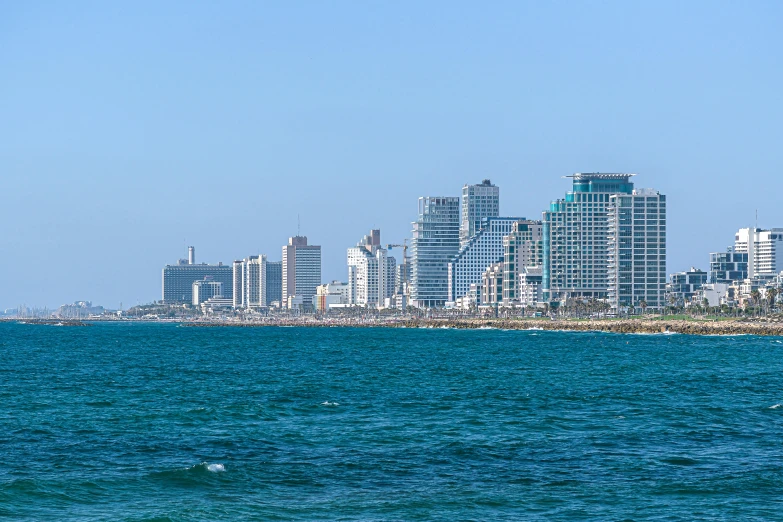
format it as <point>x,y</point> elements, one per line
<point>331,295</point>
<point>714,293</point>
<point>205,289</point>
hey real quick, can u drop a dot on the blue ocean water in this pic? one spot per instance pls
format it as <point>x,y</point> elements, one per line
<point>158,422</point>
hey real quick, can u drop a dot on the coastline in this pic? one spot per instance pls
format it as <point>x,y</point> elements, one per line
<point>772,326</point>
<point>627,326</point>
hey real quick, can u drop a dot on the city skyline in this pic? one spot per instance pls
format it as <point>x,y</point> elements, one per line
<point>118,151</point>
<point>188,258</point>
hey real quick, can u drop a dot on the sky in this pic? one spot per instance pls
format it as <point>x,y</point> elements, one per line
<point>129,130</point>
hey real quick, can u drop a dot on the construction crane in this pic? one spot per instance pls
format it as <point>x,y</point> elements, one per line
<point>404,247</point>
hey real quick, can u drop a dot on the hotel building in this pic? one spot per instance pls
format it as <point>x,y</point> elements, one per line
<point>177,280</point>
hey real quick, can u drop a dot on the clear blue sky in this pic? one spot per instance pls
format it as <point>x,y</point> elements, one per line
<point>129,129</point>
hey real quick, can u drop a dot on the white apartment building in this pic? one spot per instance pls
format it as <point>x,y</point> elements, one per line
<point>301,270</point>
<point>371,272</point>
<point>238,284</point>
<point>637,249</point>
<point>254,294</point>
<point>765,251</point>
<point>331,295</point>
<point>492,285</point>
<point>480,251</point>
<point>523,256</point>
<point>205,289</point>
<point>479,202</point>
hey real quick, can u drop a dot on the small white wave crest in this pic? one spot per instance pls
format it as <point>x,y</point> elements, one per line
<point>216,468</point>
<point>775,406</point>
<point>327,403</point>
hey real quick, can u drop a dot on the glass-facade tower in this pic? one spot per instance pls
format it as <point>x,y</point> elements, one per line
<point>435,243</point>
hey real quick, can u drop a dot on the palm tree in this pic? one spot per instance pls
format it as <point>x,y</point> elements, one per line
<point>755,295</point>
<point>771,294</point>
<point>643,304</point>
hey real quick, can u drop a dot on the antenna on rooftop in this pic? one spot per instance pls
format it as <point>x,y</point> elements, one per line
<point>757,218</point>
<point>298,226</point>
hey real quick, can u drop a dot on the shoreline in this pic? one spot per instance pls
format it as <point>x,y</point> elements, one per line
<point>627,326</point>
<point>772,326</point>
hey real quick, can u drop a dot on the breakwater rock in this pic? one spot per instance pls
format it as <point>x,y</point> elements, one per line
<point>607,325</point>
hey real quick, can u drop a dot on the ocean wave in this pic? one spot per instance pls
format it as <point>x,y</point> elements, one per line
<point>775,406</point>
<point>327,403</point>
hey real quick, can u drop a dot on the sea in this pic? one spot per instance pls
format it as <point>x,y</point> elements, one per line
<point>161,422</point>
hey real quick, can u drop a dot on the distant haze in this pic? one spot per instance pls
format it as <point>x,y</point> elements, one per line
<point>131,130</point>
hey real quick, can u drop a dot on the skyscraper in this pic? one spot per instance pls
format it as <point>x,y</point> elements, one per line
<point>255,282</point>
<point>478,203</point>
<point>435,242</point>
<point>274,282</point>
<point>606,240</point>
<point>575,237</point>
<point>637,249</point>
<point>301,269</point>
<point>238,286</point>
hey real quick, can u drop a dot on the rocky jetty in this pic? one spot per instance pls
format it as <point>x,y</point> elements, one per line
<point>693,327</point>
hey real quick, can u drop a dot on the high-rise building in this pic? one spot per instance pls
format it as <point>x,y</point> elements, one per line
<point>301,270</point>
<point>765,250</point>
<point>206,289</point>
<point>637,249</point>
<point>729,266</point>
<point>177,280</point>
<point>435,242</point>
<point>255,282</point>
<point>479,202</point>
<point>238,286</point>
<point>481,250</point>
<point>370,272</point>
<point>575,237</point>
<point>523,256</point>
<point>274,282</point>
